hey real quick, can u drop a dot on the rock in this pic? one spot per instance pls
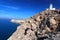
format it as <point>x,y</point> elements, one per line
<point>43,26</point>
<point>52,21</point>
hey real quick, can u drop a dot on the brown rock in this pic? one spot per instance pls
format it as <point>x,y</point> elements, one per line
<point>34,28</point>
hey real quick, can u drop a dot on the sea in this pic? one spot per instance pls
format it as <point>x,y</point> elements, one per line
<point>7,28</point>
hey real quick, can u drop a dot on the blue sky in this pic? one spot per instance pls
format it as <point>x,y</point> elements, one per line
<point>24,8</point>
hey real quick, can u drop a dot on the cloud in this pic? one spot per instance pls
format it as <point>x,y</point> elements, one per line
<point>11,7</point>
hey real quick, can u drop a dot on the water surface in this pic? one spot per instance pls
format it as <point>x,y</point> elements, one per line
<point>6,28</point>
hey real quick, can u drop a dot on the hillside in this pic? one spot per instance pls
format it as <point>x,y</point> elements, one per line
<point>43,26</point>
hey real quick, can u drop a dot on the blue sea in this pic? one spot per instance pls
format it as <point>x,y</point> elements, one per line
<point>7,28</point>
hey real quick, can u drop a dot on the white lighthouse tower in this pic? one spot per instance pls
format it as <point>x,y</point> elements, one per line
<point>51,7</point>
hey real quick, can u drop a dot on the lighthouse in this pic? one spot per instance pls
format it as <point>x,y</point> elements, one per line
<point>51,7</point>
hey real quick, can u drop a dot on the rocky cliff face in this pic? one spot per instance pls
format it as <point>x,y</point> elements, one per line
<point>43,26</point>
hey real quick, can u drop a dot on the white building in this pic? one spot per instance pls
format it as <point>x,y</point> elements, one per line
<point>51,7</point>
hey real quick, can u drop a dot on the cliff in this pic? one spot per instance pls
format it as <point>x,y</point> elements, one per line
<point>43,26</point>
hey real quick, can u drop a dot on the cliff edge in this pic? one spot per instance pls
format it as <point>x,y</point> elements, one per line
<point>43,26</point>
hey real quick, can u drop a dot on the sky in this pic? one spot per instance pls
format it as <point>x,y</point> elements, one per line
<point>24,8</point>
